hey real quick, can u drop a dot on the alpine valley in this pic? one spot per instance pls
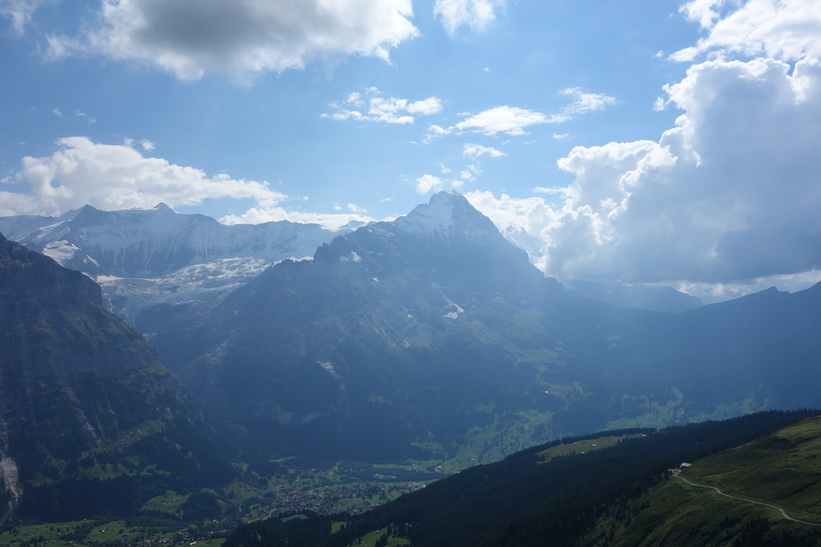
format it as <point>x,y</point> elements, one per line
<point>427,343</point>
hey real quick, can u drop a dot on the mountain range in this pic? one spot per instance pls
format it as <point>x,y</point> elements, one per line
<point>148,261</point>
<point>145,259</point>
<point>401,337</point>
<point>427,337</point>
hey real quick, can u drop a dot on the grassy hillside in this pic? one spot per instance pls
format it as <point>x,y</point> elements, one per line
<point>780,469</point>
<point>783,469</point>
<point>547,494</point>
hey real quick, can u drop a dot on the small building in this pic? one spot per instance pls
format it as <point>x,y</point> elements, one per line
<point>685,465</point>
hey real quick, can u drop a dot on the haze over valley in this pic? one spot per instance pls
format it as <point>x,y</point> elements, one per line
<point>410,272</point>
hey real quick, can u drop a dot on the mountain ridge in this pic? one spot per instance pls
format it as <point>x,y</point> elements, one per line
<point>115,269</point>
<point>149,261</point>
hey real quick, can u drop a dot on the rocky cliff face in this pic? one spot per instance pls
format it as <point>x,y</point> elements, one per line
<point>78,385</point>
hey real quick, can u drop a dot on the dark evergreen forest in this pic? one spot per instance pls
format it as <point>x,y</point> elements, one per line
<point>523,501</point>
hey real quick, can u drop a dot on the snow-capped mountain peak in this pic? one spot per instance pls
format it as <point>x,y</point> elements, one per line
<point>447,212</point>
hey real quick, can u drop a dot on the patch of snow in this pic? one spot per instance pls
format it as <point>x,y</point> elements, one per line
<point>329,368</point>
<point>61,251</point>
<point>452,303</point>
<point>215,355</point>
<point>10,476</point>
<point>197,283</point>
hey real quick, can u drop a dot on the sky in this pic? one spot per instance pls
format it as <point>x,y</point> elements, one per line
<point>669,142</point>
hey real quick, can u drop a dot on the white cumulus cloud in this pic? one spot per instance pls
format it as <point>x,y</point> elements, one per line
<point>514,121</point>
<point>111,176</point>
<point>704,12</point>
<point>241,38</point>
<point>501,119</point>
<point>728,195</point>
<point>584,103</point>
<point>781,29</point>
<point>477,151</point>
<point>476,14</point>
<point>429,183</point>
<point>370,106</point>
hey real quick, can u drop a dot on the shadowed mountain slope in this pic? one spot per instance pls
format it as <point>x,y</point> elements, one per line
<point>393,333</point>
<point>90,421</point>
<point>408,334</point>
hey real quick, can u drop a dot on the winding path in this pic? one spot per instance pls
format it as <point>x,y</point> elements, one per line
<point>677,474</point>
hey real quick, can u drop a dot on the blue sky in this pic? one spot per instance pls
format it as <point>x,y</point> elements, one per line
<point>670,142</point>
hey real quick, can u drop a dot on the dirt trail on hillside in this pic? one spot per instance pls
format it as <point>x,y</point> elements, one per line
<point>780,510</point>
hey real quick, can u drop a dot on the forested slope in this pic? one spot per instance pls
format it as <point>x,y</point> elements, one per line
<point>523,500</point>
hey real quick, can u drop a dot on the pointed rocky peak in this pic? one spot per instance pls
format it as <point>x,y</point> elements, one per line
<point>86,215</point>
<point>446,233</point>
<point>87,209</point>
<point>446,212</point>
<point>163,208</point>
<point>351,226</point>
